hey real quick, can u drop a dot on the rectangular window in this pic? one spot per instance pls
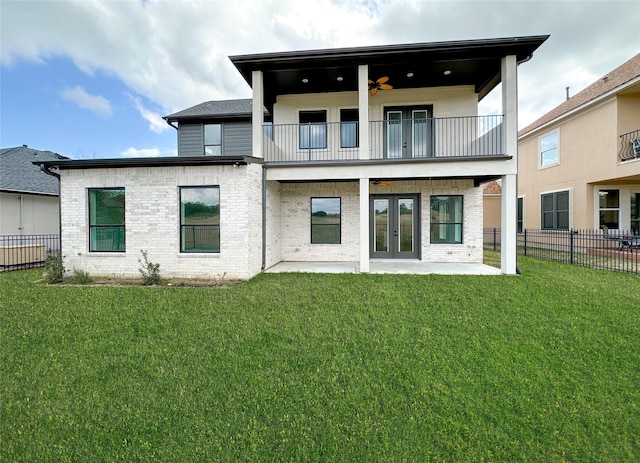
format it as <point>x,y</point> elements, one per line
<point>325,220</point>
<point>549,149</point>
<point>106,220</point>
<point>446,219</point>
<point>213,139</point>
<point>555,211</point>
<point>200,219</point>
<point>313,129</point>
<point>520,216</point>
<point>609,205</point>
<point>349,128</point>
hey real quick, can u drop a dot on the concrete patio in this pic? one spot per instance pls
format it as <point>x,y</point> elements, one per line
<point>394,266</point>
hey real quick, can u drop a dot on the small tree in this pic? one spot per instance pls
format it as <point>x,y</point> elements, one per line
<point>150,272</point>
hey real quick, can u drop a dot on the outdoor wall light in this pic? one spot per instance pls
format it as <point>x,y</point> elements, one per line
<point>340,78</point>
<point>409,74</point>
<point>305,81</point>
<point>447,72</point>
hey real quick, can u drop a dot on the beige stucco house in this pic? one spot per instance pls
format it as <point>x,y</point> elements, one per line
<point>341,155</point>
<point>579,164</point>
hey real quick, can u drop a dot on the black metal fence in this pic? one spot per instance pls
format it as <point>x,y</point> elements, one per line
<point>616,250</point>
<point>26,251</point>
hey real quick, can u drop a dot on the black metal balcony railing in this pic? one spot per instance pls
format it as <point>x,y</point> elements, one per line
<point>447,137</point>
<point>630,146</point>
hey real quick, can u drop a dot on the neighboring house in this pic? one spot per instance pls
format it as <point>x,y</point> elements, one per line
<point>491,199</point>
<point>29,198</point>
<point>342,155</point>
<point>580,163</point>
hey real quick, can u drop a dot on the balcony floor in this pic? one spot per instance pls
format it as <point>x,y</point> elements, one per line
<point>395,266</point>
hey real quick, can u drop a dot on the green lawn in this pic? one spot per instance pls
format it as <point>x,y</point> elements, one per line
<point>292,367</point>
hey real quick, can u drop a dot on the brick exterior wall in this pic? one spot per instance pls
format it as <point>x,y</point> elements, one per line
<point>294,234</point>
<point>152,216</point>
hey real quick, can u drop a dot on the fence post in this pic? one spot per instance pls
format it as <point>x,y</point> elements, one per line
<point>571,234</point>
<point>525,241</point>
<point>494,238</point>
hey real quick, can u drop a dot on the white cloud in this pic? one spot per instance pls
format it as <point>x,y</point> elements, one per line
<point>174,54</point>
<point>156,123</point>
<point>132,152</point>
<point>95,103</point>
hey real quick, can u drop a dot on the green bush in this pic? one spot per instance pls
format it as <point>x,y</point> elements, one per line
<point>81,277</point>
<point>54,268</point>
<point>150,272</point>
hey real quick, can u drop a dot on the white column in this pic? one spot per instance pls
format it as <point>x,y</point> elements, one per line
<point>364,225</point>
<point>257,113</point>
<point>363,110</point>
<point>508,246</point>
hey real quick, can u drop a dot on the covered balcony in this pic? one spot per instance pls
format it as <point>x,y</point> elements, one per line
<point>420,137</point>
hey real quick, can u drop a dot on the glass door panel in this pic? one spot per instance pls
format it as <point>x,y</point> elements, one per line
<point>394,134</point>
<point>381,225</point>
<point>405,225</point>
<point>419,130</point>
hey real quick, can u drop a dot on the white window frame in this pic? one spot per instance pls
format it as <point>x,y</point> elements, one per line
<point>541,139</point>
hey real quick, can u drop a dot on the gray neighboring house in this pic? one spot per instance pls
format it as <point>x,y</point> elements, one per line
<point>29,198</point>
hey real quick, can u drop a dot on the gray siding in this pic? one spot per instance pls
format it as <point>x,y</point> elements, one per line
<point>236,138</point>
<point>190,140</point>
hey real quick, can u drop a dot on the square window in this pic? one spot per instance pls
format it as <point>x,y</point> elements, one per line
<point>325,220</point>
<point>555,210</point>
<point>200,219</point>
<point>106,220</point>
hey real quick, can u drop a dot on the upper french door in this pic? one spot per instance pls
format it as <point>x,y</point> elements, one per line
<point>408,132</point>
<point>395,226</point>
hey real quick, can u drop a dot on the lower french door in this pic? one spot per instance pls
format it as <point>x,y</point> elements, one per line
<point>395,226</point>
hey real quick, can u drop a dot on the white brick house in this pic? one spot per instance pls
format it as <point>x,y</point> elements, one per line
<point>344,155</point>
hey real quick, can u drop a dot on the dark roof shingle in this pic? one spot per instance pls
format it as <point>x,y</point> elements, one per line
<point>18,174</point>
<point>215,109</point>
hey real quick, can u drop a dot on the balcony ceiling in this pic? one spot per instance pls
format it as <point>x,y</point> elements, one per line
<point>472,62</point>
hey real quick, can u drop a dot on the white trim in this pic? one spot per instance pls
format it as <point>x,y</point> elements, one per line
<point>540,137</point>
<point>559,190</point>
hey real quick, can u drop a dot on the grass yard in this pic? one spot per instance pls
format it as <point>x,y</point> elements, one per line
<point>296,367</point>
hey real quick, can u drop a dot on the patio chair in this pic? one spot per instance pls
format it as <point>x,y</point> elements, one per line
<point>624,242</point>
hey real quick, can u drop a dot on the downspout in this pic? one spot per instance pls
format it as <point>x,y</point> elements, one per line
<point>20,226</point>
<point>264,217</point>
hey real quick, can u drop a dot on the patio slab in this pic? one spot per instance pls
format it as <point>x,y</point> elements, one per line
<point>386,266</point>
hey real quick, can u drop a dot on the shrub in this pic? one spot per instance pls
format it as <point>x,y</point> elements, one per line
<point>81,277</point>
<point>150,272</point>
<point>54,268</point>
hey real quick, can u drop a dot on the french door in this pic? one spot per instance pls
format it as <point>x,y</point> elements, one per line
<point>395,226</point>
<point>408,132</point>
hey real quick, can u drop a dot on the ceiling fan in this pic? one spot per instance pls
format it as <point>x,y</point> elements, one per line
<point>380,84</point>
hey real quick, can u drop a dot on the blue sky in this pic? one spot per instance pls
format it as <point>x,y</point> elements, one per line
<point>92,79</point>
